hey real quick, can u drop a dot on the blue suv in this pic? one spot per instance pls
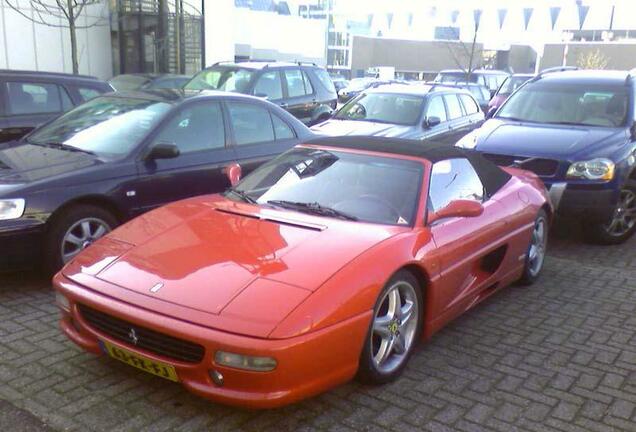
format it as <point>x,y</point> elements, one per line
<point>577,131</point>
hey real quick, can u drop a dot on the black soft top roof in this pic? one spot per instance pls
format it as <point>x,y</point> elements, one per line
<point>492,177</point>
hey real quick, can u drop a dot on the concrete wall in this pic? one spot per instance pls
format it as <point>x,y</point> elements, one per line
<point>408,55</point>
<point>620,55</point>
<point>27,45</point>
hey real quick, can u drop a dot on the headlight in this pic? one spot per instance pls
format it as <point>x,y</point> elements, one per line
<point>259,364</point>
<point>11,208</point>
<point>595,169</point>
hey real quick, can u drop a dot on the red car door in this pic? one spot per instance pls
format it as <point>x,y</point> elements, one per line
<point>466,248</point>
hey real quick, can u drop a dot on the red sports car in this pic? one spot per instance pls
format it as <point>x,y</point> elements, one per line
<point>332,260</point>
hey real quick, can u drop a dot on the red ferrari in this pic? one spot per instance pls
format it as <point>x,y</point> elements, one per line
<point>332,260</point>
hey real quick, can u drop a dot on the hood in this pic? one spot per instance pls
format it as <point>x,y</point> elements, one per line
<point>335,127</point>
<point>540,140</point>
<point>232,265</point>
<point>25,163</point>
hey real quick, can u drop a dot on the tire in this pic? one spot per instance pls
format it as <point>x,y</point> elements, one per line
<point>535,256</point>
<point>623,223</point>
<point>73,222</point>
<point>374,368</point>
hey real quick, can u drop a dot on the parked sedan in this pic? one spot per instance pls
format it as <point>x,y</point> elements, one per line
<point>407,111</point>
<point>73,180</point>
<point>332,260</point>
<point>29,98</point>
<point>148,81</point>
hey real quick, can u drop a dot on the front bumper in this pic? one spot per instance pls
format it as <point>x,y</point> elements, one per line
<point>594,203</point>
<point>307,364</point>
<point>21,243</point>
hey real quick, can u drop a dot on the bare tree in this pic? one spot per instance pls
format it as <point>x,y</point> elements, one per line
<point>592,60</point>
<point>464,54</point>
<point>59,13</point>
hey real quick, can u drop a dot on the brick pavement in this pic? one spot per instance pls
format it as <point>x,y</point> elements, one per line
<point>560,355</point>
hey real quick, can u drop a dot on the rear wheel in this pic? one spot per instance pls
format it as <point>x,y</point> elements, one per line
<point>535,257</point>
<point>73,230</point>
<point>394,330</point>
<point>623,222</point>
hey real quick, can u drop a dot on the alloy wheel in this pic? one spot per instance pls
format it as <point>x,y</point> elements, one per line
<point>394,327</point>
<point>81,235</point>
<point>536,254</point>
<point>624,217</point>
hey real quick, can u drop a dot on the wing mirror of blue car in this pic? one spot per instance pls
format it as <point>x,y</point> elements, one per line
<point>632,131</point>
<point>233,173</point>
<point>432,121</point>
<point>163,150</point>
<point>457,208</point>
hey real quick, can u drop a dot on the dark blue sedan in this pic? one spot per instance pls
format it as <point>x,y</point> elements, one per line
<point>577,131</point>
<point>71,181</point>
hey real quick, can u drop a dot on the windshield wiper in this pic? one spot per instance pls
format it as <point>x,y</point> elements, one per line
<point>243,195</point>
<point>312,208</point>
<point>62,146</point>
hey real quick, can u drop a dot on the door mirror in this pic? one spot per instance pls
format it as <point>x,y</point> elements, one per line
<point>432,121</point>
<point>632,131</point>
<point>491,112</point>
<point>457,208</point>
<point>163,150</point>
<point>233,173</point>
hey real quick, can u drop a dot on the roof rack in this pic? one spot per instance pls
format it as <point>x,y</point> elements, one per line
<point>557,69</point>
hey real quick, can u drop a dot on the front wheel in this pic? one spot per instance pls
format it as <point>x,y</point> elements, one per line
<point>72,231</point>
<point>623,222</point>
<point>394,330</point>
<point>535,256</point>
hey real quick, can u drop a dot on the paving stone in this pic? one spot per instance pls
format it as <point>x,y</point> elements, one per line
<point>557,356</point>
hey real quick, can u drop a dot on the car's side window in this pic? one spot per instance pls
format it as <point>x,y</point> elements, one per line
<point>436,108</point>
<point>469,104</point>
<point>309,89</point>
<point>37,98</point>
<point>453,179</point>
<point>269,85</point>
<point>281,129</point>
<point>295,83</point>
<point>454,108</point>
<point>252,124</point>
<point>194,128</point>
<point>87,93</point>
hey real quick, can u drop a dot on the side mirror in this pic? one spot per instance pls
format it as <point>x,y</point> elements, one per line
<point>491,112</point>
<point>163,151</point>
<point>457,208</point>
<point>632,131</point>
<point>233,173</point>
<point>432,121</point>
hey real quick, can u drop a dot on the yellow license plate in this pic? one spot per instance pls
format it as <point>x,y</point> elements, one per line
<point>145,364</point>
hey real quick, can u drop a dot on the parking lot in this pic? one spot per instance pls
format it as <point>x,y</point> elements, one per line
<point>560,355</point>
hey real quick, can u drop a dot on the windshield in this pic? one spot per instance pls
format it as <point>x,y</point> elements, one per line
<point>511,84</point>
<point>384,108</point>
<point>368,188</point>
<point>128,82</point>
<point>108,126</point>
<point>232,79</point>
<point>455,77</point>
<point>565,103</point>
<point>359,83</point>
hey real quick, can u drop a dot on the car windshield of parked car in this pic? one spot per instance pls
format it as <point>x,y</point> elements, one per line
<point>109,126</point>
<point>366,188</point>
<point>568,103</point>
<point>511,84</point>
<point>453,77</point>
<point>129,82</point>
<point>358,84</point>
<point>383,108</point>
<point>232,79</point>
